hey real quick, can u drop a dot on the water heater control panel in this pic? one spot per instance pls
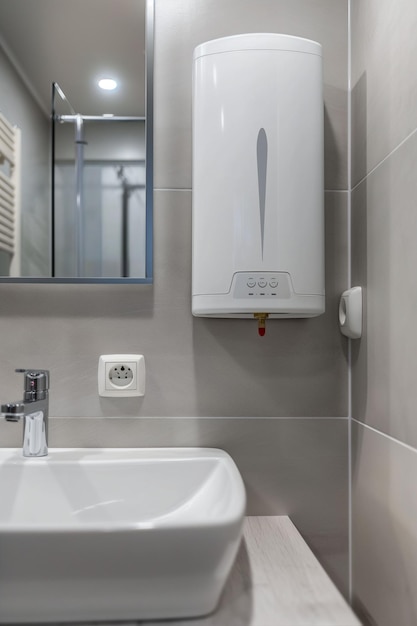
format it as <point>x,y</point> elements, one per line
<point>261,285</point>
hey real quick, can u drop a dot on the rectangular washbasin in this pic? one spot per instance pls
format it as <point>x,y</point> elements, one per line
<point>116,534</point>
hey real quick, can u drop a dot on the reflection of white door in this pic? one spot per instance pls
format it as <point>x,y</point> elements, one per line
<point>102,219</point>
<point>10,217</point>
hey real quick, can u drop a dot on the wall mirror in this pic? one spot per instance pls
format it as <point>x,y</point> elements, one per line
<point>76,168</point>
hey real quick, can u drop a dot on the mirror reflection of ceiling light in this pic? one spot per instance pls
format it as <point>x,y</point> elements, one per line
<point>107,83</point>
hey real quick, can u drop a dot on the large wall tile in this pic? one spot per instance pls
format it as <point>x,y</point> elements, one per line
<point>384,528</point>
<point>384,226</point>
<point>183,24</point>
<point>384,62</point>
<point>195,366</point>
<point>295,467</point>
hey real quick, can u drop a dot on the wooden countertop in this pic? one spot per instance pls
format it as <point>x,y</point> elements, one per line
<point>276,581</point>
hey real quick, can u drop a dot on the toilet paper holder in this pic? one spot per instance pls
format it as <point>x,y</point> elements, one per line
<point>350,313</point>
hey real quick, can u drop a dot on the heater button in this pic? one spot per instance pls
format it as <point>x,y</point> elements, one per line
<point>262,286</point>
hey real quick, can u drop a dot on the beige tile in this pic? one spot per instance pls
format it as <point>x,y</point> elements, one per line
<point>359,125</point>
<point>384,261</point>
<point>384,528</point>
<point>182,25</point>
<point>359,272</point>
<point>195,367</point>
<point>335,137</point>
<point>384,58</point>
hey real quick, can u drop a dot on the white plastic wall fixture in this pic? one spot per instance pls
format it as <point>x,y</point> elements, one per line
<point>350,313</point>
<point>258,217</point>
<point>112,385</point>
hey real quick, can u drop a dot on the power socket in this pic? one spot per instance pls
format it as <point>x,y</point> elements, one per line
<point>121,375</point>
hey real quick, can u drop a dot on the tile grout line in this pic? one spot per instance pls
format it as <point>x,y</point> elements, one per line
<point>172,189</point>
<point>349,277</point>
<point>390,437</point>
<point>200,417</point>
<point>389,155</point>
<point>190,189</point>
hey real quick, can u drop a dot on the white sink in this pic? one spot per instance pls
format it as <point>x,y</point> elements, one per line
<point>116,534</point>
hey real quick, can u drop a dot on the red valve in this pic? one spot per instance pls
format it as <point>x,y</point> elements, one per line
<point>261,317</point>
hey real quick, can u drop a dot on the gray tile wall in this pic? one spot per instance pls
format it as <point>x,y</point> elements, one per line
<point>384,528</point>
<point>384,60</point>
<point>289,389</point>
<point>384,258</point>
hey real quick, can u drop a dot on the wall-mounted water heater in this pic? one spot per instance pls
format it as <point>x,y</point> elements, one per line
<point>258,217</point>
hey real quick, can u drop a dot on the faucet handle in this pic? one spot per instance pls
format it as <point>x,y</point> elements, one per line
<point>35,380</point>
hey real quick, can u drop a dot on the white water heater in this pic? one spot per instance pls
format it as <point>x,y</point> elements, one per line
<point>258,216</point>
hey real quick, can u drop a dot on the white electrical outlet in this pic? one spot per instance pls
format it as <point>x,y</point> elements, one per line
<point>121,375</point>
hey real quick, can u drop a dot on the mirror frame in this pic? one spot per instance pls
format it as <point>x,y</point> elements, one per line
<point>148,279</point>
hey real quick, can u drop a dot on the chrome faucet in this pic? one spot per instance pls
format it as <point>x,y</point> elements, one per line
<point>34,410</point>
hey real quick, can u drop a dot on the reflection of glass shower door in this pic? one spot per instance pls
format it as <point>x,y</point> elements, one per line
<point>114,220</point>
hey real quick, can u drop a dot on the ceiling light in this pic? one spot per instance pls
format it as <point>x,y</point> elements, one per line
<point>107,83</point>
